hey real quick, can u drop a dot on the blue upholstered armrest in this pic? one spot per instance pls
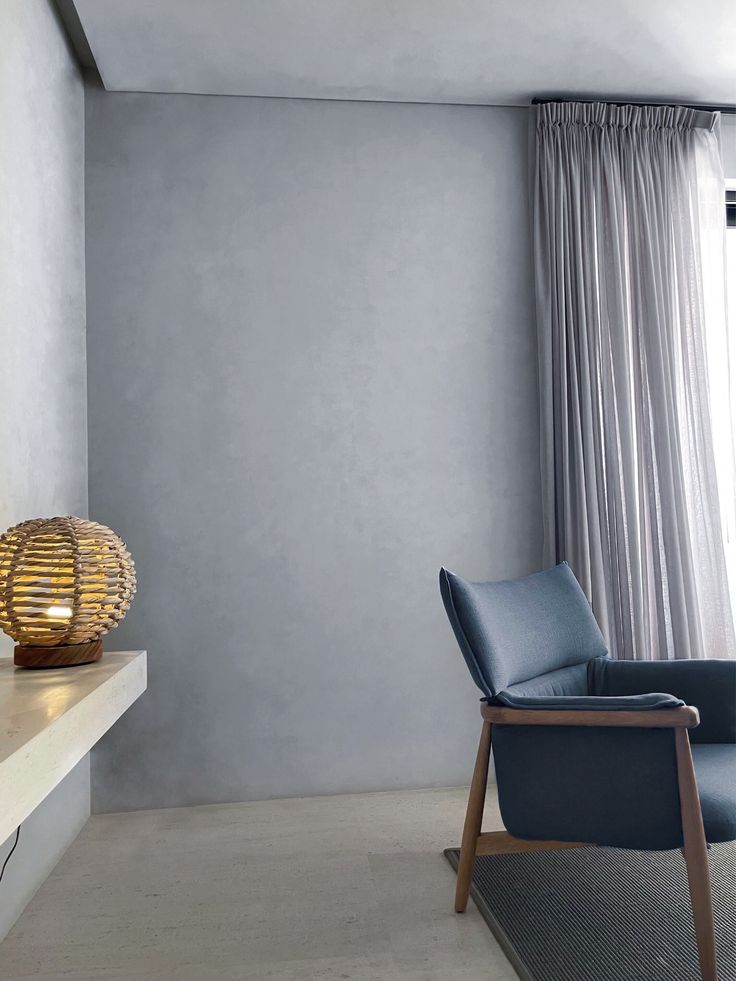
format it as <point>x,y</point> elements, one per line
<point>709,685</point>
<point>630,703</point>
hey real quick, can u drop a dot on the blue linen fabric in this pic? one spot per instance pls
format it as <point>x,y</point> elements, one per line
<point>583,703</point>
<point>709,685</point>
<point>518,629</point>
<point>608,786</point>
<point>715,769</point>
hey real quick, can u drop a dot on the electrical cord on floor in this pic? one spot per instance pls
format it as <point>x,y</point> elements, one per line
<point>7,857</point>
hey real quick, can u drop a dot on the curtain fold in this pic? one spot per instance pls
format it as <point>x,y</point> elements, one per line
<point>625,229</point>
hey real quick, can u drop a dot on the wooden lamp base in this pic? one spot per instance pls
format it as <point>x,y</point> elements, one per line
<point>63,656</point>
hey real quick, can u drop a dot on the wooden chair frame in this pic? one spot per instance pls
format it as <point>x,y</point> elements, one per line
<point>694,849</point>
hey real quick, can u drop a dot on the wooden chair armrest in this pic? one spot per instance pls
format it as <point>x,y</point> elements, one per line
<point>684,717</point>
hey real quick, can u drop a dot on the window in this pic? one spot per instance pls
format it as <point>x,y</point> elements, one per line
<point>728,511</point>
<point>730,207</point>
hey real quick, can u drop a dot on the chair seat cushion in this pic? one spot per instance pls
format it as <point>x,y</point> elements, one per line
<point>590,703</point>
<point>715,768</point>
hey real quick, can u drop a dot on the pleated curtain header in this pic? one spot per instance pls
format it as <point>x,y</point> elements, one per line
<point>611,115</point>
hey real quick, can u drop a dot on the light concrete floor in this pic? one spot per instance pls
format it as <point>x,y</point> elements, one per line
<point>351,888</point>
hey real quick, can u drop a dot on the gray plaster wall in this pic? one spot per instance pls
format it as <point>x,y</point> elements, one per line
<point>312,381</point>
<point>728,145</point>
<point>43,431</point>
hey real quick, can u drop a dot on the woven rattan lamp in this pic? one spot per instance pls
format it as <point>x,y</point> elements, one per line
<point>64,582</point>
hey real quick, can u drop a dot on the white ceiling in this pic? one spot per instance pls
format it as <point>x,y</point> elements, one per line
<point>476,51</point>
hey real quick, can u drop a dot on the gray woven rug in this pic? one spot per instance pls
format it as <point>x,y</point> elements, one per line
<point>602,914</point>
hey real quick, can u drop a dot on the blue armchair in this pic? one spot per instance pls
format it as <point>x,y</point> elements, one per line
<point>652,743</point>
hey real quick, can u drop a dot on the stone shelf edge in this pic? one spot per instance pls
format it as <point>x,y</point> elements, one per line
<point>51,718</point>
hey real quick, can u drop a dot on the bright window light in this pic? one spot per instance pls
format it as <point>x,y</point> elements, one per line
<point>729,530</point>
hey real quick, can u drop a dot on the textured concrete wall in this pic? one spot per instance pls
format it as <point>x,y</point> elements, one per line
<point>312,382</point>
<point>43,431</point>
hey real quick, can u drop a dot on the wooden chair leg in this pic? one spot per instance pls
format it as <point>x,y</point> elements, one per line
<point>473,819</point>
<point>695,850</point>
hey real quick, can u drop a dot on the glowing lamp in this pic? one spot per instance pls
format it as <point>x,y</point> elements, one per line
<point>64,583</point>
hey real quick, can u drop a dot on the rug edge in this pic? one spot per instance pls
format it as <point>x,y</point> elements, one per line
<point>453,856</point>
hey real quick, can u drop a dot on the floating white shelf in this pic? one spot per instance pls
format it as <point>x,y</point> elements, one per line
<point>51,718</point>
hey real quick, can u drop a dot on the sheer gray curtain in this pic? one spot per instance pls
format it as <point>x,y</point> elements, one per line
<point>626,204</point>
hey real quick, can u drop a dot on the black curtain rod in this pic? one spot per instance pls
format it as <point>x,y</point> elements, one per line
<point>730,110</point>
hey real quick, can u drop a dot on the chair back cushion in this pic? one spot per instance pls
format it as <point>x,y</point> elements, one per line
<point>512,631</point>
